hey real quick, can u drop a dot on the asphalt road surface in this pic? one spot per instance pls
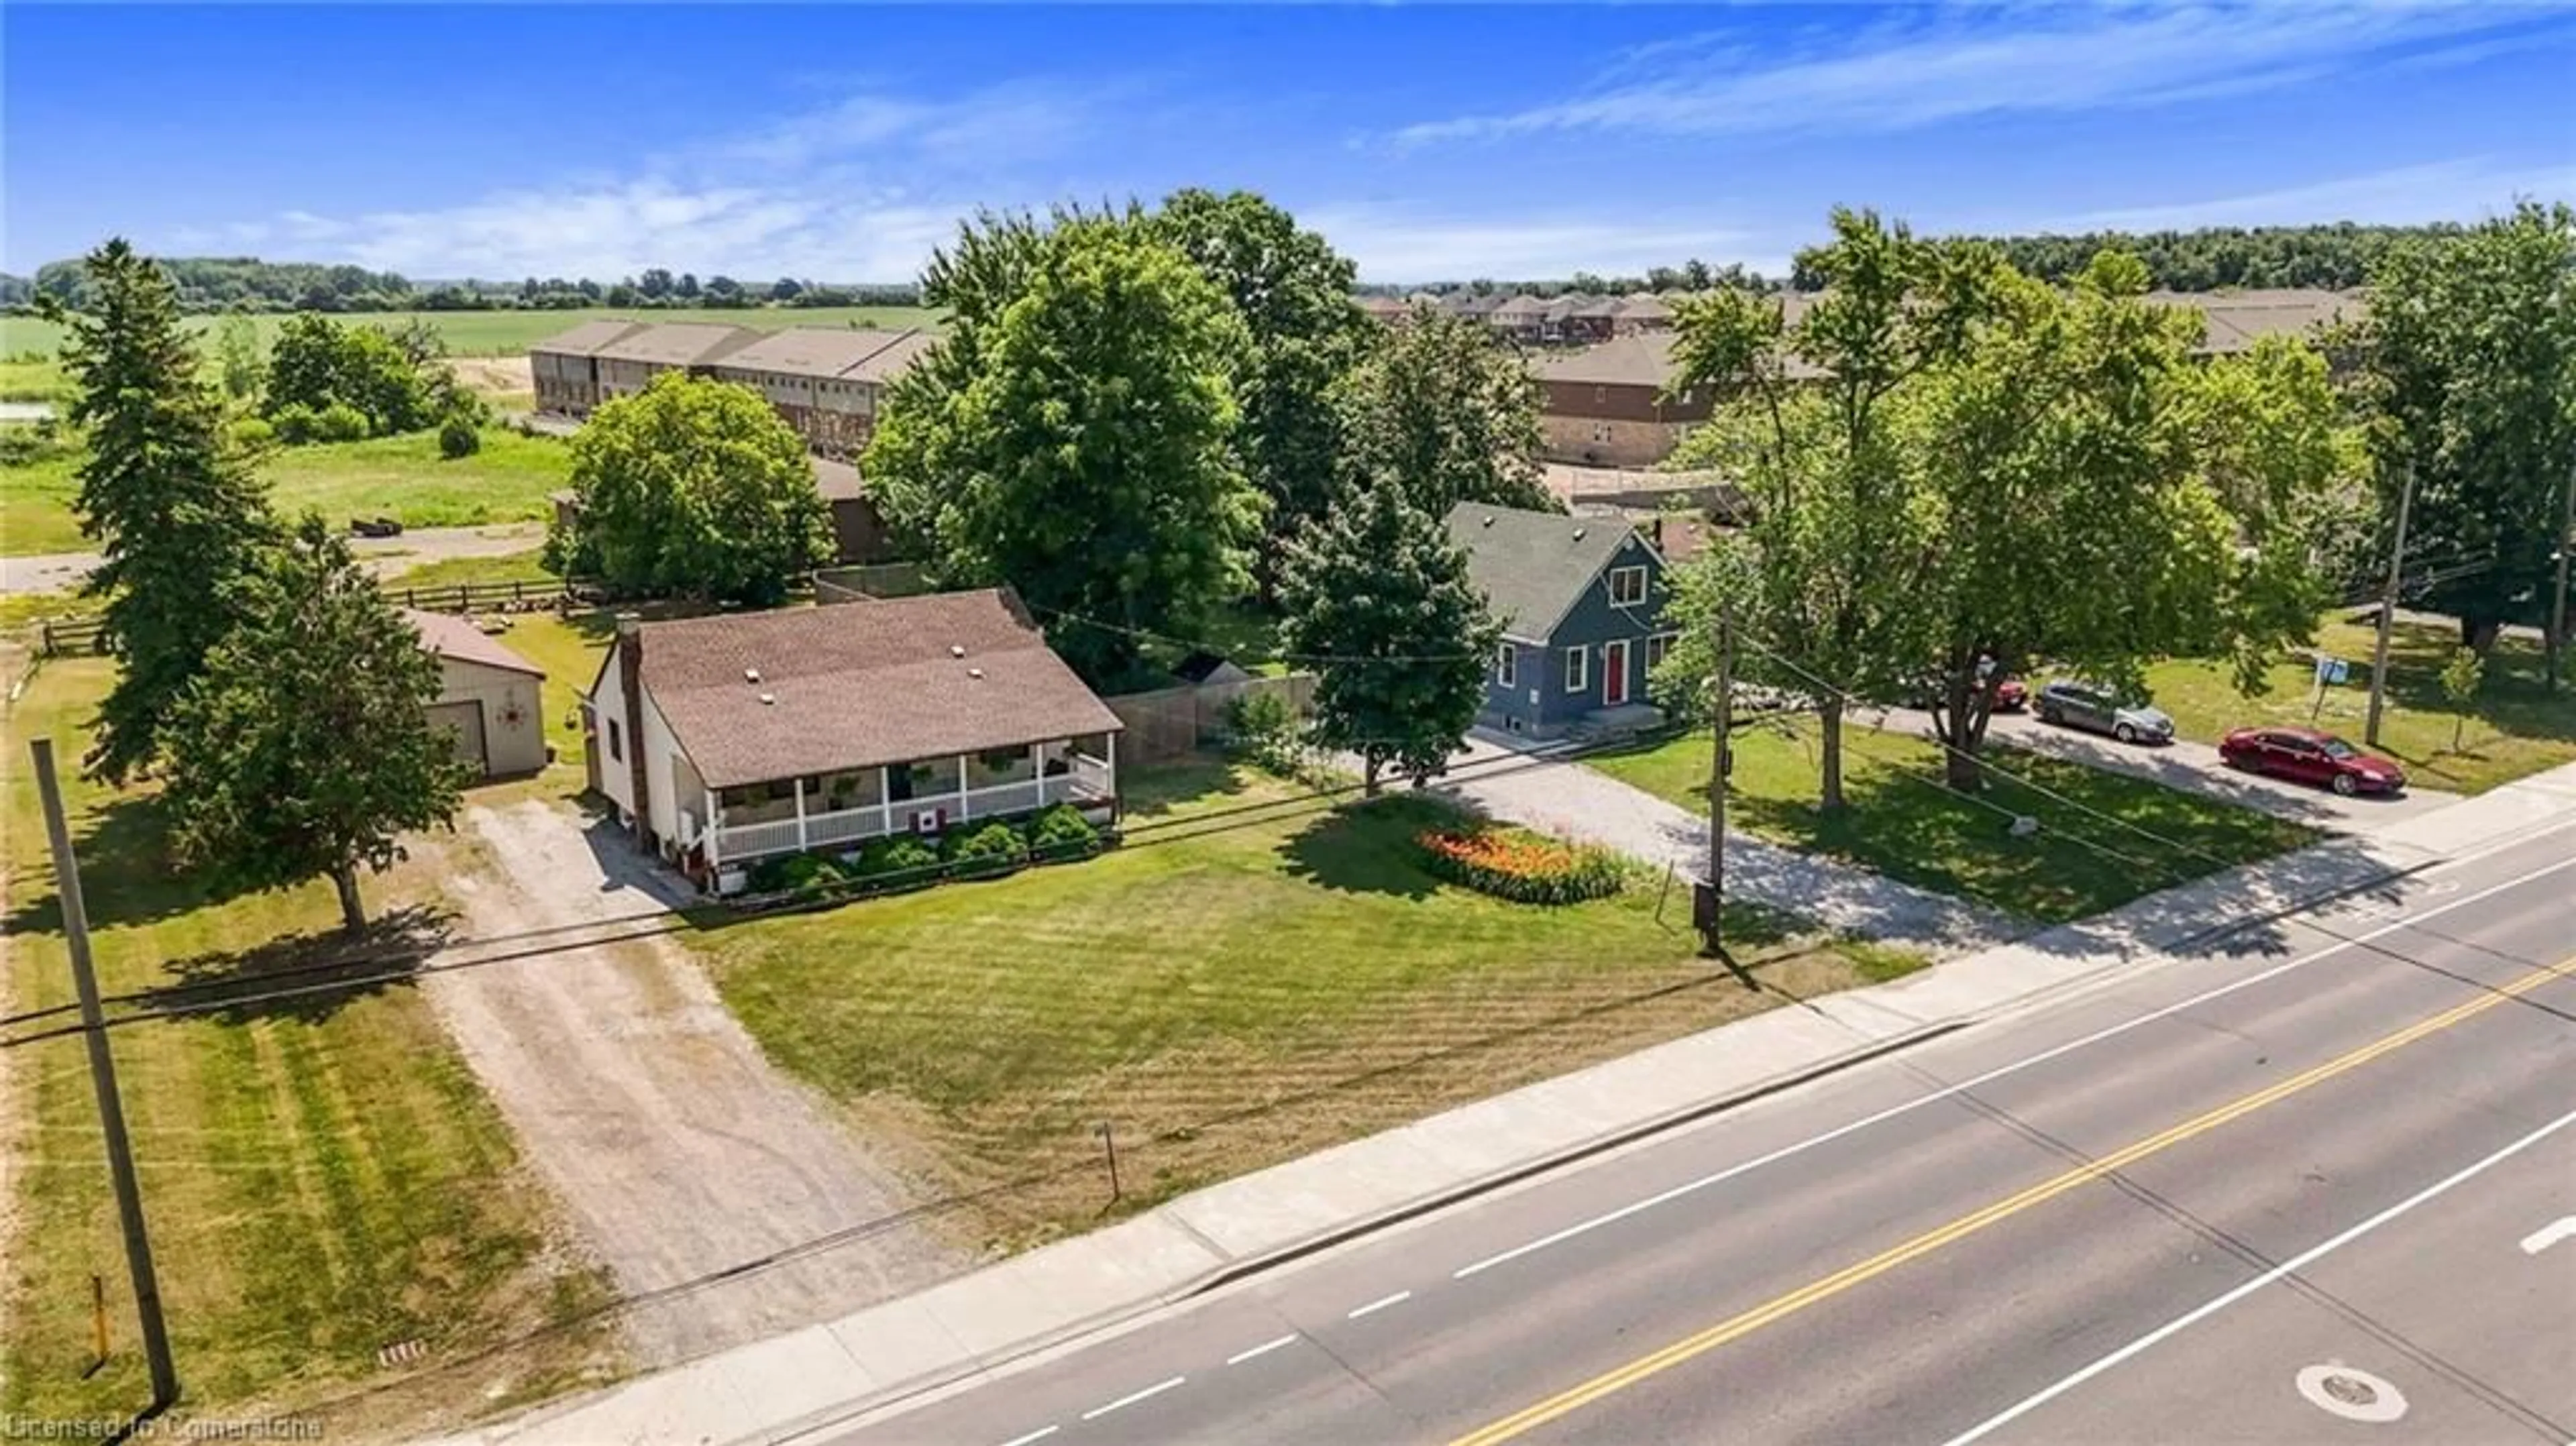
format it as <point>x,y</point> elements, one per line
<point>2295,1189</point>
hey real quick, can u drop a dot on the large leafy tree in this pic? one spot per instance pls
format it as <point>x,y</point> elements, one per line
<point>1293,292</point>
<point>2468,359</point>
<point>2085,493</point>
<point>1806,424</point>
<point>175,515</point>
<point>304,748</point>
<point>1440,408</point>
<point>695,487</point>
<point>1073,437</point>
<point>1378,596</point>
<point>387,378</point>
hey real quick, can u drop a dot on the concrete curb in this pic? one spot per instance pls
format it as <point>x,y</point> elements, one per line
<point>1345,1232</point>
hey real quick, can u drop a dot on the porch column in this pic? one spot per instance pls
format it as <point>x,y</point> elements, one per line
<point>1117,808</point>
<point>961,786</point>
<point>1037,770</point>
<point>712,831</point>
<point>800,815</point>
<point>885,798</point>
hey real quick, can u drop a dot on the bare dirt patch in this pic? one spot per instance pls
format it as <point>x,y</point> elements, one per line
<point>674,1146</point>
<point>498,375</point>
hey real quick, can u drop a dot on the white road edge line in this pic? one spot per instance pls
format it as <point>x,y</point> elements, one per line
<point>2549,1235</point>
<point>1381,1303</point>
<point>1039,1434</point>
<point>1883,1116</point>
<point>2295,1263</point>
<point>1263,1349</point>
<point>1156,1389</point>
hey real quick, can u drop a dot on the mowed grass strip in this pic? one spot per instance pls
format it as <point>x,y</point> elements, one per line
<point>504,333</point>
<point>400,477</point>
<point>2515,726</point>
<point>1902,822</point>
<point>1229,991</point>
<point>323,1176</point>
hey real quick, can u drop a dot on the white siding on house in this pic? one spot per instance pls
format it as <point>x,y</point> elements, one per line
<point>514,731</point>
<point>608,706</point>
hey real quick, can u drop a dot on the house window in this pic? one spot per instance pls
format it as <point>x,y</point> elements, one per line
<point>1507,665</point>
<point>1601,431</point>
<point>616,741</point>
<point>1656,647</point>
<point>1600,394</point>
<point>1578,668</point>
<point>1627,586</point>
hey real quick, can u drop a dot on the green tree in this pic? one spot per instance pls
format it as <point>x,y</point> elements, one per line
<point>1073,434</point>
<point>1440,408</point>
<point>237,357</point>
<point>696,487</point>
<point>385,377</point>
<point>2082,492</point>
<point>1293,292</point>
<point>1378,595</point>
<point>176,515</point>
<point>2461,679</point>
<point>1822,610</point>
<point>2468,359</point>
<point>305,749</point>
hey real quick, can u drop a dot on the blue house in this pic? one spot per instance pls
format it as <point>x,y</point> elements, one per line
<point>1581,604</point>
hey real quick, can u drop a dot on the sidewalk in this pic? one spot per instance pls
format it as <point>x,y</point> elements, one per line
<point>775,1389</point>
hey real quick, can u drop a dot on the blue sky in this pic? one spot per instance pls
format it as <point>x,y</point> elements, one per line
<point>1427,142</point>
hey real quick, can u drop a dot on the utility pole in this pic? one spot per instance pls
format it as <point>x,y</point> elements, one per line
<point>1712,900</point>
<point>2388,609</point>
<point>2558,601</point>
<point>102,1074</point>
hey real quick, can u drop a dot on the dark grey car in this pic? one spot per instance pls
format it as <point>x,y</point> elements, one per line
<point>2096,710</point>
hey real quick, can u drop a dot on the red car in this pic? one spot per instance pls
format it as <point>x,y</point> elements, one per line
<point>2011,695</point>
<point>2310,756</point>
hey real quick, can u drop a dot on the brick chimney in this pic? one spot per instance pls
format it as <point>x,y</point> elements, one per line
<point>630,685</point>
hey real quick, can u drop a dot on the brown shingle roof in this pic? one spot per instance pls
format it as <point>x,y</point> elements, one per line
<point>1645,359</point>
<point>1519,309</point>
<point>681,343</point>
<point>587,338</point>
<point>857,685</point>
<point>2237,319</point>
<point>810,351</point>
<point>449,636</point>
<point>888,362</point>
<point>836,481</point>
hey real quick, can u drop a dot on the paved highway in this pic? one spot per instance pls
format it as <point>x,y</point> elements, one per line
<point>2316,1185</point>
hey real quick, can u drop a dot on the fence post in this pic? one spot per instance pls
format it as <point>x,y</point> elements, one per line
<point>47,639</point>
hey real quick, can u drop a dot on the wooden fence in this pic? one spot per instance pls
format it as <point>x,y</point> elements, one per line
<point>863,582</point>
<point>56,636</point>
<point>1172,723</point>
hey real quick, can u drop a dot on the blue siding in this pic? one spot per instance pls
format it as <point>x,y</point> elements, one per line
<point>1591,623</point>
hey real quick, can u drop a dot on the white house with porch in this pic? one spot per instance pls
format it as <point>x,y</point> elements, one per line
<point>723,740</point>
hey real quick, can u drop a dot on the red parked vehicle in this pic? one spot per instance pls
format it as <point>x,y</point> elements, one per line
<point>2310,756</point>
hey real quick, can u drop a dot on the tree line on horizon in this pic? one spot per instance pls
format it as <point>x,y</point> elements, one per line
<point>2336,257</point>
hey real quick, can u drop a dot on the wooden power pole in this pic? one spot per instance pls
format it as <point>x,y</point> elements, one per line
<point>2558,600</point>
<point>2388,610</point>
<point>1712,898</point>
<point>102,1074</point>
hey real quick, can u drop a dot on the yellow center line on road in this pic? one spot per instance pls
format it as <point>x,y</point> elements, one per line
<point>1737,1327</point>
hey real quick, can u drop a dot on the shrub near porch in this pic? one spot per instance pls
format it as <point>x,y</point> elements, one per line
<point>1232,987</point>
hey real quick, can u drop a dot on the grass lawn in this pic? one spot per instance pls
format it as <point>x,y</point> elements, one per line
<point>501,333</point>
<point>1230,995</point>
<point>403,477</point>
<point>2514,728</point>
<point>528,566</point>
<point>1902,823</point>
<point>323,1176</point>
<point>34,380</point>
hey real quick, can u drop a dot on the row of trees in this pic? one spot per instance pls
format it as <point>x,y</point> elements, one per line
<point>247,284</point>
<point>262,676</point>
<point>326,381</point>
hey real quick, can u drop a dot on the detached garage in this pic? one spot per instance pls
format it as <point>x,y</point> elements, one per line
<point>487,695</point>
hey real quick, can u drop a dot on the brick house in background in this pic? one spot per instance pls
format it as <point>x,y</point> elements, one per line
<point>1605,406</point>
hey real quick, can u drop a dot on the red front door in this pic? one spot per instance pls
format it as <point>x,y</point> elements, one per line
<point>1614,674</point>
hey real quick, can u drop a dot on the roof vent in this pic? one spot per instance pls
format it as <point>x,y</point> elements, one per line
<point>974,672</point>
<point>751,675</point>
<point>1489,519</point>
<point>956,650</point>
<point>768,697</point>
<point>1578,534</point>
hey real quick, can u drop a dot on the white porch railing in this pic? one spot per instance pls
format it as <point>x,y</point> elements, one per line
<point>1003,799</point>
<point>749,840</point>
<point>1087,783</point>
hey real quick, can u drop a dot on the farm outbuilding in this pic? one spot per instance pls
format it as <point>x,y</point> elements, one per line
<point>488,695</point>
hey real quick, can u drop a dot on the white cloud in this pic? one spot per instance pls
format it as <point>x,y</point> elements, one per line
<point>2457,190</point>
<point>1394,245</point>
<point>1963,62</point>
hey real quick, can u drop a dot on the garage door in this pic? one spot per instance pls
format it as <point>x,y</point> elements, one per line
<point>465,720</point>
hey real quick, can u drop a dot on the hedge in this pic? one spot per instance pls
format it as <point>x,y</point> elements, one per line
<point>1521,866</point>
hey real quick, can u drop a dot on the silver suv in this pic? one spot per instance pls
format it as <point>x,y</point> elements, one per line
<point>2096,710</point>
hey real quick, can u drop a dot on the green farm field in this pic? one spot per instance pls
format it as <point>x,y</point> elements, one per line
<point>504,333</point>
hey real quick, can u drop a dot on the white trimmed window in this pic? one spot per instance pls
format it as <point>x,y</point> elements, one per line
<point>1601,431</point>
<point>1507,665</point>
<point>1578,668</point>
<point>1657,646</point>
<point>1627,586</point>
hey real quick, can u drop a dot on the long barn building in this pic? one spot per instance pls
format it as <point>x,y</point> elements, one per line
<point>825,382</point>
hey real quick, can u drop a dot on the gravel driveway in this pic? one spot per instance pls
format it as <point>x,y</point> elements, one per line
<point>675,1146</point>
<point>1571,801</point>
<point>2191,767</point>
<point>62,571</point>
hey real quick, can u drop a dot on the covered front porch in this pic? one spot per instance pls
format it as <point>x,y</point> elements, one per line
<point>836,811</point>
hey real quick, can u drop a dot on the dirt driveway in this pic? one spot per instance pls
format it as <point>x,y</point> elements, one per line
<point>678,1151</point>
<point>384,556</point>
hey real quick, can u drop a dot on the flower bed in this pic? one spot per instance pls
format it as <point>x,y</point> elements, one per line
<point>1521,866</point>
<point>902,862</point>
